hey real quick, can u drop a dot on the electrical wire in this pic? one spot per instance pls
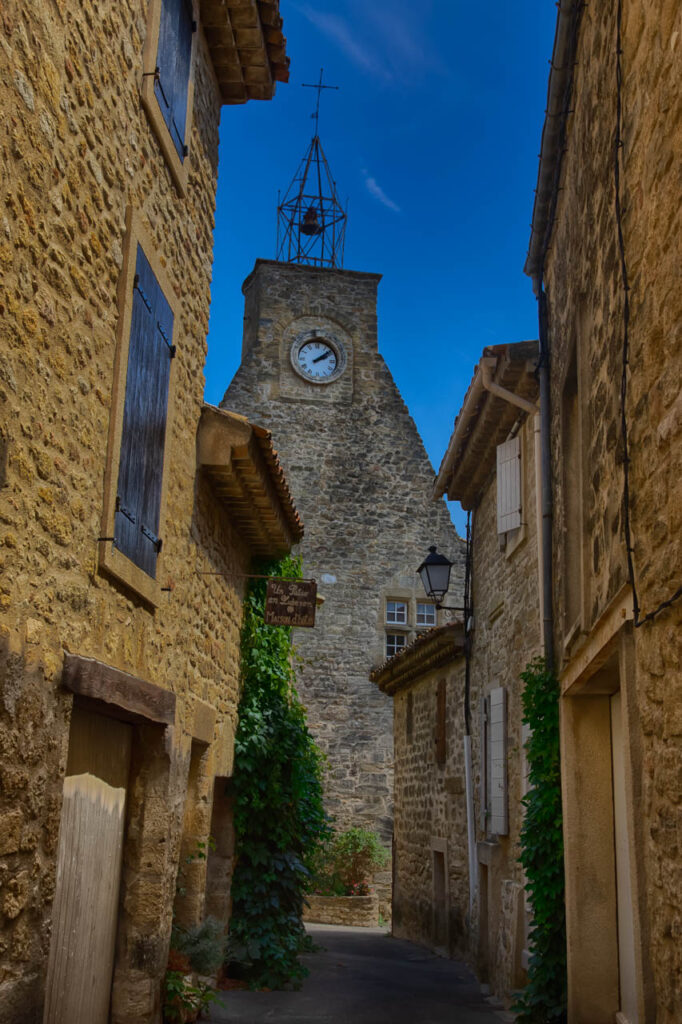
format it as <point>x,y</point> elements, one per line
<point>639,619</point>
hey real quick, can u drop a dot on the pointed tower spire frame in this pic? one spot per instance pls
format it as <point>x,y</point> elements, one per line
<point>311,223</point>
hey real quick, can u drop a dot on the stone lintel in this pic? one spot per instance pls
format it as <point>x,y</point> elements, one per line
<point>598,647</point>
<point>131,697</point>
<point>203,722</point>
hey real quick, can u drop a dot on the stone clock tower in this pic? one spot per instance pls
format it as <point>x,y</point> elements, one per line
<point>311,372</point>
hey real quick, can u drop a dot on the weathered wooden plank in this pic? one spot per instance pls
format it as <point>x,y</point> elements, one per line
<point>91,678</point>
<point>85,907</point>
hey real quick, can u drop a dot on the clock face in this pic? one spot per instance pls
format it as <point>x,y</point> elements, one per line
<point>318,360</point>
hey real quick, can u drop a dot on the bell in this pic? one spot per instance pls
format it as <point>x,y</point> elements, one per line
<point>309,225</point>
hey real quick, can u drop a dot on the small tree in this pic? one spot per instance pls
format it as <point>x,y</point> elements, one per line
<point>279,817</point>
<point>344,867</point>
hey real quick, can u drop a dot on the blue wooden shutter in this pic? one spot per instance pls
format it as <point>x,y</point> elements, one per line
<point>140,475</point>
<point>173,61</point>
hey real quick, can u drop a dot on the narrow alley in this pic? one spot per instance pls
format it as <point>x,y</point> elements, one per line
<point>363,976</point>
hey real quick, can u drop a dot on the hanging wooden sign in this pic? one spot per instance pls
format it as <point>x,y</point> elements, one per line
<point>290,603</point>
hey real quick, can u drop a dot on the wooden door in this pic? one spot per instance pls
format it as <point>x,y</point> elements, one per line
<point>85,909</point>
<point>626,941</point>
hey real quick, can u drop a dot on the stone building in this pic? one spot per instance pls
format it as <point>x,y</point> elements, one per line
<point>491,467</point>
<point>457,883</point>
<point>430,869</point>
<point>605,257</point>
<point>361,478</point>
<point>125,532</point>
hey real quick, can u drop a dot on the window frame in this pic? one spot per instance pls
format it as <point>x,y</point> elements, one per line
<point>396,622</point>
<point>399,648</point>
<point>425,625</point>
<point>179,169</point>
<point>111,561</point>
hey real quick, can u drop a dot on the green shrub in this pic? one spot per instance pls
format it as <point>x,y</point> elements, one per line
<point>345,864</point>
<point>542,853</point>
<point>204,945</point>
<point>279,816</point>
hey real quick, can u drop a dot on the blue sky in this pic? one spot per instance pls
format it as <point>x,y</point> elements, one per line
<point>433,138</point>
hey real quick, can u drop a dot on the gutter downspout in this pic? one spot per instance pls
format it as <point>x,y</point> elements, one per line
<point>545,476</point>
<point>489,384</point>
<point>468,770</point>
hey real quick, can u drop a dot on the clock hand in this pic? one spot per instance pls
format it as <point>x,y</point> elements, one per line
<point>324,355</point>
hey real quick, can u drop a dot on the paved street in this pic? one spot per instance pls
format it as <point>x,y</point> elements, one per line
<point>362,976</point>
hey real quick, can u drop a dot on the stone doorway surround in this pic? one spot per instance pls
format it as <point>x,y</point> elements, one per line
<point>594,825</point>
<point>124,705</point>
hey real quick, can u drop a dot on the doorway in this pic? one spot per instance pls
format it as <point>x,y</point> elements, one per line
<point>85,909</point>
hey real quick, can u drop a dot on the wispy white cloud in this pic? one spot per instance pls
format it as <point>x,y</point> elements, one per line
<point>339,31</point>
<point>375,189</point>
<point>397,27</point>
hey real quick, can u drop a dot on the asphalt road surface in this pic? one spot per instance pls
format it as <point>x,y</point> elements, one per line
<point>363,976</point>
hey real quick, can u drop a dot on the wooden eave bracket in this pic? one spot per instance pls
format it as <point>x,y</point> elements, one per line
<point>484,422</point>
<point>248,481</point>
<point>247,46</point>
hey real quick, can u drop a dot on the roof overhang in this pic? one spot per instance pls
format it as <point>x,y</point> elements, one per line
<point>434,649</point>
<point>553,143</point>
<point>485,419</point>
<point>247,47</point>
<point>239,460</point>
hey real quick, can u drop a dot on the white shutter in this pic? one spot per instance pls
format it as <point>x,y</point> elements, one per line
<point>509,485</point>
<point>498,822</point>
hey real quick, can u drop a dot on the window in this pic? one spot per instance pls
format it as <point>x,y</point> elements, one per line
<point>394,643</point>
<point>134,485</point>
<point>173,58</point>
<point>167,91</point>
<point>426,614</point>
<point>396,612</point>
<point>140,470</point>
<point>509,485</point>
<point>494,811</point>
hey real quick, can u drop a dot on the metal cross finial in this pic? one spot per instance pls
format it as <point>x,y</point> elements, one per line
<point>319,87</point>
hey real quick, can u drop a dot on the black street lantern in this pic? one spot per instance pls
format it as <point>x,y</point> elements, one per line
<point>435,574</point>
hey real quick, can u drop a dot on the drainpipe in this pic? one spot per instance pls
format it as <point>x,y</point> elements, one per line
<point>545,475</point>
<point>468,770</point>
<point>489,384</point>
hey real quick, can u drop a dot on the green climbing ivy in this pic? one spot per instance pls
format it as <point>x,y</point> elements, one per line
<point>279,816</point>
<point>542,853</point>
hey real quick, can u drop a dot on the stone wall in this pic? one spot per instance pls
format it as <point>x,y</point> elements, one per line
<point>430,813</point>
<point>506,637</point>
<point>362,480</point>
<point>77,150</point>
<point>354,911</point>
<point>585,290</point>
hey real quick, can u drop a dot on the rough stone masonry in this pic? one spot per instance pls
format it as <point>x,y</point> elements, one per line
<point>361,477</point>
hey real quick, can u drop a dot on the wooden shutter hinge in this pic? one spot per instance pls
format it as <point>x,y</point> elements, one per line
<point>143,296</point>
<point>171,347</point>
<point>156,541</point>
<point>130,516</point>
